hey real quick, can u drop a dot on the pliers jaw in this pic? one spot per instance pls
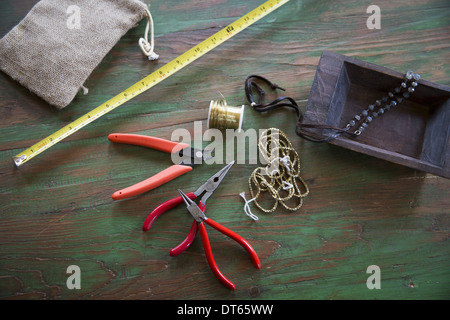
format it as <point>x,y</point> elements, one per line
<point>193,208</point>
<point>192,156</point>
<point>212,183</point>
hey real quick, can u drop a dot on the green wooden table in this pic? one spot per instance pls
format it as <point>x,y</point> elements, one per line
<point>56,210</point>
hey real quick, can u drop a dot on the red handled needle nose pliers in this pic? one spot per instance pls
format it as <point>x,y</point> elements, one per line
<point>188,158</point>
<point>201,219</point>
<point>206,190</point>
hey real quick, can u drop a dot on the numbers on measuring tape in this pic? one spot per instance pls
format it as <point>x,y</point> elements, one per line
<point>197,49</point>
<point>229,31</point>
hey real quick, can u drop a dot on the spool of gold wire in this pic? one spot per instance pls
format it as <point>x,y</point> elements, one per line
<point>222,116</point>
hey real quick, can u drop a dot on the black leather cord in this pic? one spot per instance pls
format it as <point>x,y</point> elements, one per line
<point>251,85</point>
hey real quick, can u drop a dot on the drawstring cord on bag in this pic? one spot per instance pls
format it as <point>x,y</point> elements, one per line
<point>148,47</point>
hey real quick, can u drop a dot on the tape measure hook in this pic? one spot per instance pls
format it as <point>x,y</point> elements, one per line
<point>18,160</point>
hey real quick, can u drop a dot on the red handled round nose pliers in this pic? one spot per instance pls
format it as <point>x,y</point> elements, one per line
<point>206,190</point>
<point>201,219</point>
<point>188,158</point>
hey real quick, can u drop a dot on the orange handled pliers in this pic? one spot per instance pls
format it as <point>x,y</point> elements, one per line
<point>188,158</point>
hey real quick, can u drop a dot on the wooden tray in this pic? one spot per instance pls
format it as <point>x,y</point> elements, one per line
<point>414,134</point>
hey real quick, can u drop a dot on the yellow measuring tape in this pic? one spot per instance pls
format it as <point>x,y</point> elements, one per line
<point>151,80</point>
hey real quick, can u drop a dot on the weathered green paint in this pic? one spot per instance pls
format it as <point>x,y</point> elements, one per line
<point>57,209</point>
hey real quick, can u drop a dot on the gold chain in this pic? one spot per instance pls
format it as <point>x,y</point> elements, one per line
<point>281,177</point>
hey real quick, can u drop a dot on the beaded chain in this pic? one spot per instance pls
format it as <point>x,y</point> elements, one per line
<point>406,88</point>
<point>281,175</point>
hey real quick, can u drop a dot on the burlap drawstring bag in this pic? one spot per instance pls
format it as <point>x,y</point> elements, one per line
<point>55,48</point>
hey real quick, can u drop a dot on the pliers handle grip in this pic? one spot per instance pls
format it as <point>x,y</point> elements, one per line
<point>209,255</point>
<point>158,179</point>
<point>165,206</point>
<point>147,141</point>
<point>151,183</point>
<point>198,214</point>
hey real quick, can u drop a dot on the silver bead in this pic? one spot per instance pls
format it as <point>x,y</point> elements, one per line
<point>364,113</point>
<point>414,84</point>
<point>411,89</point>
<point>371,107</point>
<point>381,110</point>
<point>409,75</point>
<point>416,76</point>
